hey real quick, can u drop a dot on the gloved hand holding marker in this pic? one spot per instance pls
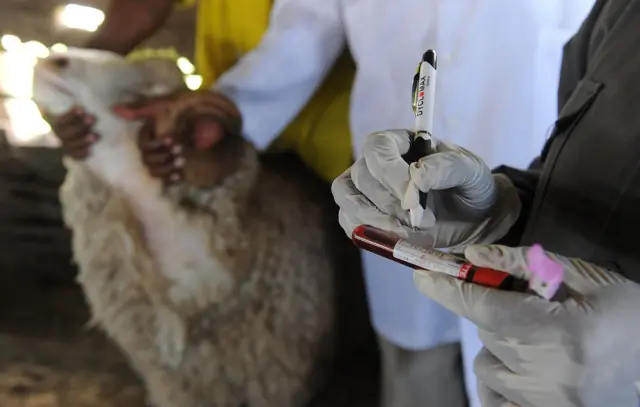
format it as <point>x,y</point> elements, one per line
<point>547,274</point>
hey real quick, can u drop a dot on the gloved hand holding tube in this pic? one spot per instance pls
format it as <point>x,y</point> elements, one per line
<point>581,352</point>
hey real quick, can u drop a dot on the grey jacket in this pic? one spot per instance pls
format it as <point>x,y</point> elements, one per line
<point>583,199</point>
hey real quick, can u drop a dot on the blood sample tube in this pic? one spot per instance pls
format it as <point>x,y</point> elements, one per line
<point>394,248</point>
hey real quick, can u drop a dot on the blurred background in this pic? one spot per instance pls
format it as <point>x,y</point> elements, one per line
<point>31,28</point>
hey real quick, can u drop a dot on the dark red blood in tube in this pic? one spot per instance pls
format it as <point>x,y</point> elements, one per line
<point>383,243</point>
<point>377,241</point>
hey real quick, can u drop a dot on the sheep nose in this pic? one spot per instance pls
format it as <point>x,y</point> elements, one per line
<point>59,62</point>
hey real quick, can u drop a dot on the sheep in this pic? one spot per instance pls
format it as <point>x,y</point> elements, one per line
<point>218,289</point>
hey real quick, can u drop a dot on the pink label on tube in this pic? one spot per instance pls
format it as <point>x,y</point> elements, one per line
<point>547,274</point>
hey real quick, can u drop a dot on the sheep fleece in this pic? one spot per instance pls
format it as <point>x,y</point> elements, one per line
<point>255,329</point>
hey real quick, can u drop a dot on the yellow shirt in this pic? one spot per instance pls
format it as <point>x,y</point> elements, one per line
<point>227,29</point>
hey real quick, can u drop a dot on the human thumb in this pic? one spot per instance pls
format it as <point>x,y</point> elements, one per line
<point>207,132</point>
<point>489,308</point>
<point>442,288</point>
<point>140,110</point>
<point>512,260</point>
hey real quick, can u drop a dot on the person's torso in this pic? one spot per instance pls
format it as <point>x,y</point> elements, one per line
<point>227,30</point>
<point>497,69</point>
<point>588,197</point>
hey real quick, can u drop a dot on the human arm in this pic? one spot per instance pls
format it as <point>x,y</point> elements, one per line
<point>267,87</point>
<point>576,53</point>
<point>128,23</point>
<point>273,82</point>
<point>581,352</point>
<point>573,68</point>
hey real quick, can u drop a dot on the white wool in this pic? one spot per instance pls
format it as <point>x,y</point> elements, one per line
<point>180,250</point>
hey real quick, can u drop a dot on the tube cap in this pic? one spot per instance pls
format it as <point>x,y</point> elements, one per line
<point>547,274</point>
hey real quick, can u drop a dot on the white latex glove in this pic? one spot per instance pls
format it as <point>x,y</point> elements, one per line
<point>581,352</point>
<point>465,202</point>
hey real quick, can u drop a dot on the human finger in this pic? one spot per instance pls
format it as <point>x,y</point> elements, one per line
<point>206,132</point>
<point>512,260</point>
<point>73,132</point>
<point>383,152</point>
<point>490,398</point>
<point>146,108</point>
<point>520,390</point>
<point>444,170</point>
<point>359,208</point>
<point>79,147</point>
<point>165,172</point>
<point>377,193</point>
<point>72,114</point>
<point>489,308</point>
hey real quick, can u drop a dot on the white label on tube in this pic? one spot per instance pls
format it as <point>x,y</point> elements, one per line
<point>431,260</point>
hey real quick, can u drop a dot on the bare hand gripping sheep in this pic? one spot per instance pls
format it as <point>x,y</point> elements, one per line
<point>218,289</point>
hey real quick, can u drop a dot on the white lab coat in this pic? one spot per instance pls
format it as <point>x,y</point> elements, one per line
<point>496,95</point>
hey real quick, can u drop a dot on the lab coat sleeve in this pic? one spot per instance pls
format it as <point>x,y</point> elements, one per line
<point>575,55</point>
<point>526,182</point>
<point>573,69</point>
<point>272,83</point>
